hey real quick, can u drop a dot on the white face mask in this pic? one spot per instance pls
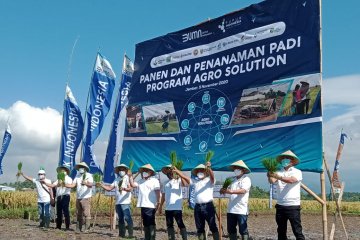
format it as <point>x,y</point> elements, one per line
<point>122,173</point>
<point>41,177</point>
<point>238,172</point>
<point>81,170</point>
<point>145,174</point>
<point>200,175</point>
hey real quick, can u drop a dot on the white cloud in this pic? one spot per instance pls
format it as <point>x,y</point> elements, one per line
<point>342,90</point>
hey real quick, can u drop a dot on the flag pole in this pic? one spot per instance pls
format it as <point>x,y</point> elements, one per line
<point>62,124</point>
<point>70,60</point>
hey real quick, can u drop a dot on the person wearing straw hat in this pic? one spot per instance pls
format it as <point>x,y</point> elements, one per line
<point>83,182</point>
<point>203,194</point>
<point>62,197</point>
<point>288,184</point>
<point>173,198</point>
<point>123,199</point>
<point>148,198</point>
<point>238,210</point>
<point>44,194</point>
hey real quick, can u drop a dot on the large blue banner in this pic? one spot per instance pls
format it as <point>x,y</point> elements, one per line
<point>113,149</point>
<point>72,130</point>
<point>4,146</point>
<point>101,91</point>
<point>246,85</point>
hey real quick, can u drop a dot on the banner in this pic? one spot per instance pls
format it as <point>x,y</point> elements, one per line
<point>72,130</point>
<point>246,85</point>
<point>101,90</point>
<point>117,129</point>
<point>5,145</point>
<point>335,176</point>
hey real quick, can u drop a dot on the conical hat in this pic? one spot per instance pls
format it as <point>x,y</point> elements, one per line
<point>165,167</point>
<point>200,166</point>
<point>240,163</point>
<point>288,155</point>
<point>82,164</point>
<point>117,168</point>
<point>146,166</point>
<point>63,168</point>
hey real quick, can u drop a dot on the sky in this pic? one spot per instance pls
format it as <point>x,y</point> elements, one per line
<point>37,38</point>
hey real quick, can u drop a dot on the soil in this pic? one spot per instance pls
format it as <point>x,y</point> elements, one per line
<point>261,226</point>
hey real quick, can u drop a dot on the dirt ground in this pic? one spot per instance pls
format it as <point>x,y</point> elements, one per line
<point>261,226</point>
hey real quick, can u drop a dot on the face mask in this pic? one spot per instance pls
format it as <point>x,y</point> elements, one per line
<point>145,174</point>
<point>122,173</point>
<point>238,172</point>
<point>169,175</point>
<point>200,175</point>
<point>81,170</point>
<point>41,177</point>
<point>285,163</point>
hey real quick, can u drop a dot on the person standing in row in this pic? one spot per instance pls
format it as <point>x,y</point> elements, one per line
<point>83,183</point>
<point>148,198</point>
<point>44,195</point>
<point>238,210</point>
<point>173,198</point>
<point>62,197</point>
<point>288,184</point>
<point>123,199</point>
<point>204,206</point>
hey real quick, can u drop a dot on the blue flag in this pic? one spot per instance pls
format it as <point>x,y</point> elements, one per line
<point>101,90</point>
<point>72,131</point>
<point>117,131</point>
<point>4,146</point>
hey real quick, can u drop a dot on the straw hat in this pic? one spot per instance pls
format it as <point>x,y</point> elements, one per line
<point>288,155</point>
<point>82,164</point>
<point>240,163</point>
<point>146,166</point>
<point>198,167</point>
<point>117,168</point>
<point>63,168</point>
<point>165,167</point>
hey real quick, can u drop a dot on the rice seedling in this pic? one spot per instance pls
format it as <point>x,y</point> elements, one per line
<point>61,178</point>
<point>97,177</point>
<point>20,164</point>
<point>227,182</point>
<point>271,164</point>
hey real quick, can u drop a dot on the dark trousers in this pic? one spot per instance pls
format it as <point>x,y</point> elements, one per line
<point>237,219</point>
<point>291,213</point>
<point>148,216</point>
<point>202,212</point>
<point>170,215</point>
<point>62,206</point>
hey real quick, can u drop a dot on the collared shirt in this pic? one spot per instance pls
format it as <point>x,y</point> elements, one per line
<point>60,190</point>
<point>204,190</point>
<point>83,191</point>
<point>43,195</point>
<point>173,194</point>
<point>238,203</point>
<point>147,196</point>
<point>124,197</point>
<point>288,194</point>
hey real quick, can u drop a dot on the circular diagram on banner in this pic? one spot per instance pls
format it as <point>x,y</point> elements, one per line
<point>204,119</point>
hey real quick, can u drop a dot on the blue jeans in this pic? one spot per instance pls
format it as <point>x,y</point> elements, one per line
<point>202,212</point>
<point>44,212</point>
<point>124,214</point>
<point>237,219</point>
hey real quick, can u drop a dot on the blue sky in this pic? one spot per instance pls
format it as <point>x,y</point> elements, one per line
<point>37,37</point>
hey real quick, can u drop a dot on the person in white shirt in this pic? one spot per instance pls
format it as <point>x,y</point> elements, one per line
<point>288,184</point>
<point>83,183</point>
<point>148,198</point>
<point>238,210</point>
<point>173,198</point>
<point>123,199</point>
<point>204,206</point>
<point>62,197</point>
<point>44,196</point>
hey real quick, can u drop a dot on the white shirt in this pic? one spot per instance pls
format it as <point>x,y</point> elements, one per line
<point>61,191</point>
<point>173,194</point>
<point>43,195</point>
<point>147,196</point>
<point>204,190</point>
<point>83,191</point>
<point>288,194</point>
<point>238,203</point>
<point>124,197</point>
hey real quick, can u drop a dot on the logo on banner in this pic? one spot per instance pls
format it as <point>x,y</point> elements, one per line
<point>225,24</point>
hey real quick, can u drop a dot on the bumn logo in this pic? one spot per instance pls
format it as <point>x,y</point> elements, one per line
<point>191,35</point>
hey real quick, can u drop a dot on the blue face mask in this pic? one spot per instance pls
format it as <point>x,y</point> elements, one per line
<point>285,163</point>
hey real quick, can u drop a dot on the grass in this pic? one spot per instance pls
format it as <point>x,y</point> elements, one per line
<point>156,127</point>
